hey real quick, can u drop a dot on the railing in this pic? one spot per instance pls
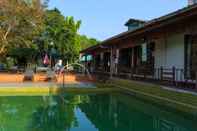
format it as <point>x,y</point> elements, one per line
<point>170,76</point>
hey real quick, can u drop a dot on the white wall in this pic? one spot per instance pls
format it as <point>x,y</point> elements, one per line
<point>169,52</point>
<point>160,53</point>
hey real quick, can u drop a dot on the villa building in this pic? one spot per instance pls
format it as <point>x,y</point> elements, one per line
<point>164,48</point>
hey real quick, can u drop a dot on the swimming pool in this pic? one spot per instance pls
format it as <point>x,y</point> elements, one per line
<point>89,112</point>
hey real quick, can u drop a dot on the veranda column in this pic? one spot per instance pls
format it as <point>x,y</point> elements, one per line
<point>132,60</point>
<point>116,61</point>
<point>111,62</point>
<point>94,62</point>
<point>102,60</point>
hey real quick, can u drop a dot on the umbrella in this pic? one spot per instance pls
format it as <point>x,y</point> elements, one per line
<point>46,60</point>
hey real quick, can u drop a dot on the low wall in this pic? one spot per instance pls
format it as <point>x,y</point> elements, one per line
<point>6,78</point>
<point>74,78</point>
<point>42,77</point>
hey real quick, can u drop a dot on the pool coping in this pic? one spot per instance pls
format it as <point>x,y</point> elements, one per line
<point>39,91</point>
<point>180,106</point>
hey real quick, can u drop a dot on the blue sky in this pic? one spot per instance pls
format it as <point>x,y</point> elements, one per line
<point>102,19</point>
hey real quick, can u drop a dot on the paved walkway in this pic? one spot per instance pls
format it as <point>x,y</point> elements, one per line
<point>179,90</point>
<point>46,84</point>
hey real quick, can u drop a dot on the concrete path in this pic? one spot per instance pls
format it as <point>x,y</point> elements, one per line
<point>179,90</point>
<point>46,84</point>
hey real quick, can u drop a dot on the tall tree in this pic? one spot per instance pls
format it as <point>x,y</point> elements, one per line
<point>20,22</point>
<point>86,42</point>
<point>63,33</point>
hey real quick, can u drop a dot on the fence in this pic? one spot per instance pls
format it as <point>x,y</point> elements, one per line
<point>168,76</point>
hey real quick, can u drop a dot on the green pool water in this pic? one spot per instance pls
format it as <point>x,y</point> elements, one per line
<point>89,112</point>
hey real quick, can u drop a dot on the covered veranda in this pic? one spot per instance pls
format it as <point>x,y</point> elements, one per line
<point>162,50</point>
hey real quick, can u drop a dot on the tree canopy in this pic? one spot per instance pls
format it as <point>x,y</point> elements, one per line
<point>62,33</point>
<point>20,22</point>
<point>28,25</point>
<point>86,42</point>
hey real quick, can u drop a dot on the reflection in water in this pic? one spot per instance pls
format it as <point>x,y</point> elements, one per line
<point>125,113</point>
<point>57,113</point>
<point>94,112</point>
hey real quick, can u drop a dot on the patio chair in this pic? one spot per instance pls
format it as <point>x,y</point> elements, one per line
<point>50,75</point>
<point>13,69</point>
<point>29,75</point>
<point>42,69</point>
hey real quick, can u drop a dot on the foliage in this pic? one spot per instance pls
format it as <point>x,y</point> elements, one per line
<point>23,55</point>
<point>86,42</point>
<point>20,22</point>
<point>26,24</point>
<point>62,32</point>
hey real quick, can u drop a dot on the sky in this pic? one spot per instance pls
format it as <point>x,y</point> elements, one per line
<point>102,19</point>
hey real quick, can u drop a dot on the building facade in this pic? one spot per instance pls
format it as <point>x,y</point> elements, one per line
<point>163,48</point>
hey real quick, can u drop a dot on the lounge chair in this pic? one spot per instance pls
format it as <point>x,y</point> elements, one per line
<point>29,75</point>
<point>50,75</point>
<point>42,69</point>
<point>13,69</point>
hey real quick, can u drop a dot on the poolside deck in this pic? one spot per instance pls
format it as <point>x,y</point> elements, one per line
<point>14,84</point>
<point>42,78</point>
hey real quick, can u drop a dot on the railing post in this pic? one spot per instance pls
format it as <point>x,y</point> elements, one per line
<point>161,73</point>
<point>144,70</point>
<point>131,72</point>
<point>134,73</point>
<point>196,82</point>
<point>174,75</point>
<point>158,74</point>
<point>182,75</point>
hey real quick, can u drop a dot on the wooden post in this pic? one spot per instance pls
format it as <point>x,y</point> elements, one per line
<point>182,75</point>
<point>196,82</point>
<point>131,72</point>
<point>144,70</point>
<point>174,75</point>
<point>158,74</point>
<point>161,73</point>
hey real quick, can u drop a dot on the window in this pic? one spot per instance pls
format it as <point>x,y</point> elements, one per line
<point>144,52</point>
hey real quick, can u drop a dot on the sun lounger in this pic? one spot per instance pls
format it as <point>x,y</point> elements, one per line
<point>29,75</point>
<point>42,69</point>
<point>50,75</point>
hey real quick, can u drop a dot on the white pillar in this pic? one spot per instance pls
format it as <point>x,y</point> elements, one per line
<point>117,61</point>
